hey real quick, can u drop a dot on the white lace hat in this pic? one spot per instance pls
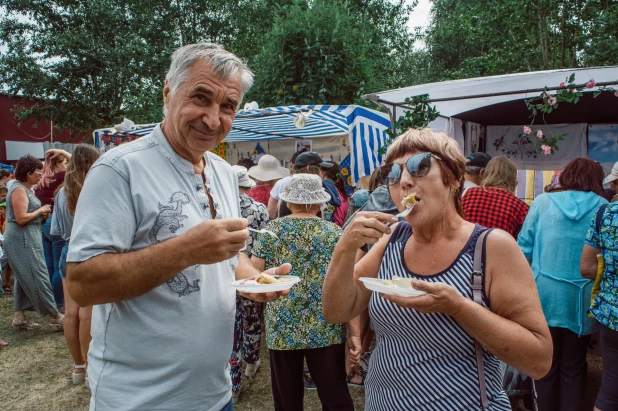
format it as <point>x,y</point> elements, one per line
<point>305,189</point>
<point>268,168</point>
<point>243,177</point>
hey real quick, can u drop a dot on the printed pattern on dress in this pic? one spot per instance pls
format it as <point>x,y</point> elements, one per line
<point>606,301</point>
<point>296,322</point>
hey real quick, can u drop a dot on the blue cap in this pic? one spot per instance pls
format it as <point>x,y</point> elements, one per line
<point>359,198</point>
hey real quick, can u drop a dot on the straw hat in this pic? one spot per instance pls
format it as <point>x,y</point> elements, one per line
<point>243,178</point>
<point>305,189</point>
<point>268,169</point>
<point>613,175</point>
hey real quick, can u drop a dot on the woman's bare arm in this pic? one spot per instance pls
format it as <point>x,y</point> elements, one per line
<point>343,296</point>
<point>588,264</point>
<point>515,330</point>
<point>19,201</point>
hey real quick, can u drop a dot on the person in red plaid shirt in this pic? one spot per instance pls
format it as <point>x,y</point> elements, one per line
<point>494,205</point>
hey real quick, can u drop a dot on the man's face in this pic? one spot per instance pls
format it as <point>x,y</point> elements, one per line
<point>4,180</point>
<point>201,112</point>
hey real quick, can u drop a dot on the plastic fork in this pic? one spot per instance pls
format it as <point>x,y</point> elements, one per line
<point>407,211</point>
<point>263,231</point>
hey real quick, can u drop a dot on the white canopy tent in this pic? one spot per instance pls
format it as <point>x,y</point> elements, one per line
<point>488,114</point>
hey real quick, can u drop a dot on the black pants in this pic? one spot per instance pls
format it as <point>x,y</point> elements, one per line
<point>607,400</point>
<point>327,368</point>
<point>563,388</point>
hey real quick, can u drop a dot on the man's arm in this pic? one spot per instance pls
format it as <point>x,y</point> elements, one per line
<point>102,269</point>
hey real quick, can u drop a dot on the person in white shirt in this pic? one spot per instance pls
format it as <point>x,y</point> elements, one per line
<point>155,245</point>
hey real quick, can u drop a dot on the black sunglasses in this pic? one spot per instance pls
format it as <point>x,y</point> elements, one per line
<point>418,166</point>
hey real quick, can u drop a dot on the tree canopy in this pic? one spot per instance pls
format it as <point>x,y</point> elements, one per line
<point>89,63</point>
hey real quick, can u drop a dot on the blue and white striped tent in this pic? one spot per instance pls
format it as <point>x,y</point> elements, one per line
<point>364,129</point>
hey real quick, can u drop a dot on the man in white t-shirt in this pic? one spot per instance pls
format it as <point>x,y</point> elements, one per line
<point>155,245</point>
<point>475,168</point>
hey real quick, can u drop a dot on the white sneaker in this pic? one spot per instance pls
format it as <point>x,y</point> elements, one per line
<point>252,369</point>
<point>79,378</point>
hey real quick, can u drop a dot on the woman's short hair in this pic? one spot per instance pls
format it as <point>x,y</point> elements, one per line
<point>583,174</point>
<point>4,173</point>
<point>453,163</point>
<point>501,173</point>
<point>26,165</point>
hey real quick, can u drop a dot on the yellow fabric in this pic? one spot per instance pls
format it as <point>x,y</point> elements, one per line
<point>529,186</point>
<point>547,176</point>
<point>597,282</point>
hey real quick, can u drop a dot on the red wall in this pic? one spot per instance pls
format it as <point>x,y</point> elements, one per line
<point>10,131</point>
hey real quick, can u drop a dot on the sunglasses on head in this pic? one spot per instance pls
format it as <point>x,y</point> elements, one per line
<point>418,166</point>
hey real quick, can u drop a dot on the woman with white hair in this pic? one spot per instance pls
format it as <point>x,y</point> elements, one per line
<point>295,327</point>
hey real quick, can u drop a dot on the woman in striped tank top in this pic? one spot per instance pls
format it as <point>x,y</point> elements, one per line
<point>425,357</point>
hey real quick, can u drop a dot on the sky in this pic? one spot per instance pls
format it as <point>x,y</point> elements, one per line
<point>420,14</point>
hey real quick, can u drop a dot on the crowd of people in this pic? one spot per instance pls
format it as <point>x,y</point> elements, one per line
<point>138,249</point>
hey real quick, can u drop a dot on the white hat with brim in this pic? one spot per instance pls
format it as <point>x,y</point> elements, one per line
<point>268,169</point>
<point>243,178</point>
<point>613,175</point>
<point>305,189</point>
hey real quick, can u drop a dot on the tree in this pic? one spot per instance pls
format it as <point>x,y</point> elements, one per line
<point>469,38</point>
<point>324,52</point>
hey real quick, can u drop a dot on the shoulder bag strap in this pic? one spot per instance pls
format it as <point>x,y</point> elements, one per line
<point>600,213</point>
<point>476,278</point>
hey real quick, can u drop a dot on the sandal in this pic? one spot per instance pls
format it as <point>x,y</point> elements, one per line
<point>25,325</point>
<point>355,384</point>
<point>79,378</point>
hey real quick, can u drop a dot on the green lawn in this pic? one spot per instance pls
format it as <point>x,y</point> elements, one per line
<point>35,373</point>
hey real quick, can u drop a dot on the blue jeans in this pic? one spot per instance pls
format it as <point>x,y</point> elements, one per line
<point>63,261</point>
<point>52,248</point>
<point>228,407</point>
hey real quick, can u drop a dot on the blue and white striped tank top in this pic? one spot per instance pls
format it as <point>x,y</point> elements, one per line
<point>427,361</point>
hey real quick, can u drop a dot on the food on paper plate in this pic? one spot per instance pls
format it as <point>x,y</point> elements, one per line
<point>398,282</point>
<point>409,201</point>
<point>267,279</point>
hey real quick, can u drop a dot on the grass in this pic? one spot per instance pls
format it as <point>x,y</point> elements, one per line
<point>35,373</point>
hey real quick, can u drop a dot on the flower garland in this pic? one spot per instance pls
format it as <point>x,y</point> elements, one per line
<point>545,103</point>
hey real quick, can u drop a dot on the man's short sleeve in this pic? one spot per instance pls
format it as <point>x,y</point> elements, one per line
<point>105,219</point>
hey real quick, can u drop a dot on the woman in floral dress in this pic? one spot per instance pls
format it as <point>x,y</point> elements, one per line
<point>295,327</point>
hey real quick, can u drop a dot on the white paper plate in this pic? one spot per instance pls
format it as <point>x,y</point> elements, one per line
<point>265,288</point>
<point>374,284</point>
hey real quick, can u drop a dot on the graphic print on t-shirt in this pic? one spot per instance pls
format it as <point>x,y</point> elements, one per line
<point>171,216</point>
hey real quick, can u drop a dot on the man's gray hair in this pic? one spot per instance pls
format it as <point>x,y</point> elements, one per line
<point>224,64</point>
<point>474,171</point>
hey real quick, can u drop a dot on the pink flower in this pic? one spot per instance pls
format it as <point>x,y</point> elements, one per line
<point>546,149</point>
<point>562,84</point>
<point>552,101</point>
<point>527,130</point>
<point>591,83</point>
<point>539,134</point>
